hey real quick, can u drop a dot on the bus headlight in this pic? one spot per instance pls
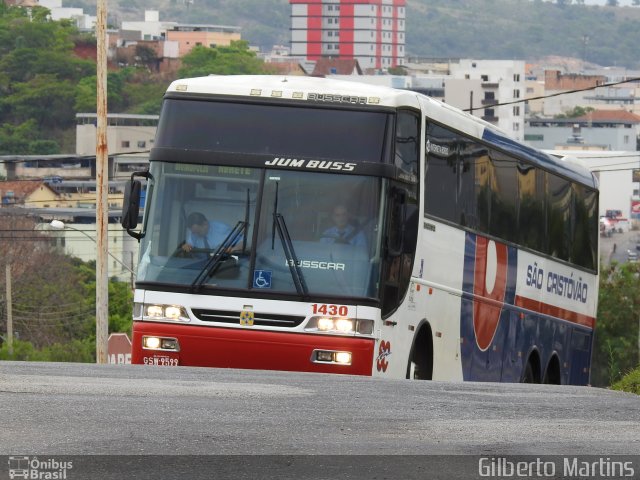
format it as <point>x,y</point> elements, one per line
<point>344,325</point>
<point>331,356</point>
<point>325,324</point>
<point>173,312</point>
<point>343,358</point>
<point>155,311</point>
<point>160,343</point>
<point>340,325</point>
<point>166,313</point>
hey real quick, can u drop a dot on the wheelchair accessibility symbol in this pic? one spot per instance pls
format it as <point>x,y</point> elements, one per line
<point>262,279</point>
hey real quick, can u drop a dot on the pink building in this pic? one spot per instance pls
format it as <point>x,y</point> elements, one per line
<point>370,31</point>
<point>188,36</point>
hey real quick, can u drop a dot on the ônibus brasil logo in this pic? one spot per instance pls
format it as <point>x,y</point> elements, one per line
<point>38,469</point>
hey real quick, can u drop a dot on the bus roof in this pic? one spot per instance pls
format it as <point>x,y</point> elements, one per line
<point>331,91</point>
<point>297,88</point>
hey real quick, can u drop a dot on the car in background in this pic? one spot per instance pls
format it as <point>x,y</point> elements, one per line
<point>606,227</point>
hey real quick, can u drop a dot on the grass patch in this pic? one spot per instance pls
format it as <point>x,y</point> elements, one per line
<point>629,383</point>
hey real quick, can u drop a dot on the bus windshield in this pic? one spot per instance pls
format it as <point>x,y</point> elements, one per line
<point>291,232</point>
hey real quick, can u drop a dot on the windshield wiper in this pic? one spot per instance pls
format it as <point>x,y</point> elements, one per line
<point>290,254</point>
<point>219,256</point>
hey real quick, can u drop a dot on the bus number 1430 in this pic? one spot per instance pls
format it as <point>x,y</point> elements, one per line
<point>325,309</point>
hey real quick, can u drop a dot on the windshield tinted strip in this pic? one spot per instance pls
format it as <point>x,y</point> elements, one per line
<point>338,134</point>
<point>203,157</point>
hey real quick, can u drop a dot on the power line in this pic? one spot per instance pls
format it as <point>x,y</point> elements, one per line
<point>590,157</point>
<point>60,157</point>
<point>557,94</point>
<point>614,170</point>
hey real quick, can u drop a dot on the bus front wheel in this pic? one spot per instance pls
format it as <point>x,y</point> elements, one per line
<point>421,359</point>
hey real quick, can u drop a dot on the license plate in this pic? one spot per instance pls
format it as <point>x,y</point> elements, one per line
<point>160,361</point>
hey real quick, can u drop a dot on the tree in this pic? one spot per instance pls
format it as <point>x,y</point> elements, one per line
<point>38,77</point>
<point>577,111</point>
<point>85,93</point>
<point>53,297</point>
<point>45,99</point>
<point>23,138</point>
<point>612,3</point>
<point>147,56</point>
<point>399,70</point>
<point>616,335</point>
<point>49,305</point>
<point>236,59</point>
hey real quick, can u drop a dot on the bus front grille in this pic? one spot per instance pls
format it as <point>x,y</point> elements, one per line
<point>261,319</point>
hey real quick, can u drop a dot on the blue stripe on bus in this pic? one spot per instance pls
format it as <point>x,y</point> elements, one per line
<point>539,158</point>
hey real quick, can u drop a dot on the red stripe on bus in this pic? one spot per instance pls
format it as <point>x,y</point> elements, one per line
<point>553,311</point>
<point>253,349</point>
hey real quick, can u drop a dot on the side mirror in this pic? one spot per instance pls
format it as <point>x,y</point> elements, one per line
<point>131,205</point>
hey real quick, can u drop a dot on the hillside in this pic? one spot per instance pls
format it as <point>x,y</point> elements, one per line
<point>521,29</point>
<point>495,29</point>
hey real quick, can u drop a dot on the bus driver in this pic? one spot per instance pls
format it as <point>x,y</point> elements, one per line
<point>204,234</point>
<point>343,231</point>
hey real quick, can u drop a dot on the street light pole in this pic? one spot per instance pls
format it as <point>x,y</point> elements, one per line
<point>59,225</point>
<point>102,285</point>
<point>9,310</point>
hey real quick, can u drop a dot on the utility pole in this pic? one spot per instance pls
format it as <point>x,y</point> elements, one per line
<point>9,311</point>
<point>102,214</point>
<point>133,280</point>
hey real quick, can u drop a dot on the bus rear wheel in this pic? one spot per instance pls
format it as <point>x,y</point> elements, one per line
<point>528,376</point>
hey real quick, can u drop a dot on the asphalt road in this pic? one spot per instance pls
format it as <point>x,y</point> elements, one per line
<point>79,409</point>
<point>617,246</point>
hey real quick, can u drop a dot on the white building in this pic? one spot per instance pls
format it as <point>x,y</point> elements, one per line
<point>151,28</point>
<point>597,130</point>
<point>58,12</point>
<point>472,85</point>
<point>126,133</point>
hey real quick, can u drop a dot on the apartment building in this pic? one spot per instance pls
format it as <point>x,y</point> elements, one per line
<point>369,31</point>
<point>502,92</point>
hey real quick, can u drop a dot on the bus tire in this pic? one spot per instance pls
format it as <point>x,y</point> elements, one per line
<point>420,365</point>
<point>552,372</point>
<point>531,372</point>
<point>528,375</point>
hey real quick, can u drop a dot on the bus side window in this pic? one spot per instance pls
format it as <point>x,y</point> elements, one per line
<point>441,177</point>
<point>407,142</point>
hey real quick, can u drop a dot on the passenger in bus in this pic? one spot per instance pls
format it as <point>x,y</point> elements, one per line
<point>343,230</point>
<point>204,234</point>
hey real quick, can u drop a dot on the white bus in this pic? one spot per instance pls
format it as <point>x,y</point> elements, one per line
<point>467,256</point>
